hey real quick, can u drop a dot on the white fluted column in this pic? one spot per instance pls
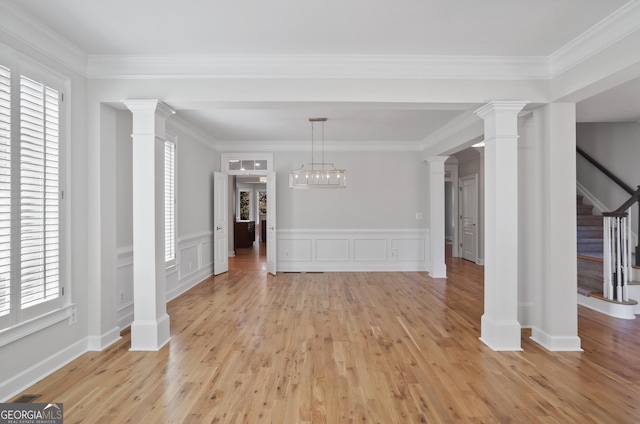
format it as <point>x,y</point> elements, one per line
<point>500,329</point>
<point>150,327</point>
<point>436,216</point>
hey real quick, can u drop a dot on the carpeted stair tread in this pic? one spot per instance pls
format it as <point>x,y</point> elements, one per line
<point>588,291</point>
<point>584,209</point>
<point>590,220</point>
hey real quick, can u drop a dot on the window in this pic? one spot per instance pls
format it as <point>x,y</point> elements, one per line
<point>30,275</point>
<point>169,202</point>
<point>5,191</point>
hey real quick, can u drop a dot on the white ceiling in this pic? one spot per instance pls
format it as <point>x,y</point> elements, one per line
<point>414,27</point>
<point>514,28</point>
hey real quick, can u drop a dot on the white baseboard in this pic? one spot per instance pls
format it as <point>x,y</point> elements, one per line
<point>125,316</point>
<point>11,387</point>
<point>556,343</point>
<point>102,342</point>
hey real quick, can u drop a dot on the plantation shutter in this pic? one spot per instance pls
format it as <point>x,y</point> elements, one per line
<point>39,193</point>
<point>169,201</point>
<point>5,191</point>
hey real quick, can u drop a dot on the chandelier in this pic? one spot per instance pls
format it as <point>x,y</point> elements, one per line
<point>317,174</point>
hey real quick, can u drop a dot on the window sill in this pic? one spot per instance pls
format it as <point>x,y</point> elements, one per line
<point>24,329</point>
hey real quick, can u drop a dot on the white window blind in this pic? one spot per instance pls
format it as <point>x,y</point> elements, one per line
<point>39,193</point>
<point>169,201</point>
<point>5,191</point>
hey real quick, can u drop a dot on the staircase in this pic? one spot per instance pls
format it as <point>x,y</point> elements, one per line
<point>590,266</point>
<point>590,242</point>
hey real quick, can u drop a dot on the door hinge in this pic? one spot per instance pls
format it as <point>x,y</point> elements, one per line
<point>61,194</point>
<point>61,291</point>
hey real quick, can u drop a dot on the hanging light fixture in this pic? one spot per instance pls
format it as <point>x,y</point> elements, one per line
<point>317,174</point>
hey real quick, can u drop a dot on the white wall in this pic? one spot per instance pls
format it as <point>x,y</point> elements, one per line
<point>384,190</point>
<point>617,147</point>
<point>370,225</point>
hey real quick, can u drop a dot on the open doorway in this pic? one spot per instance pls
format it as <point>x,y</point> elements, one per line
<point>248,200</point>
<point>251,173</point>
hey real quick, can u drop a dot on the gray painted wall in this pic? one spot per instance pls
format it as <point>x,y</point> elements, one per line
<point>617,147</point>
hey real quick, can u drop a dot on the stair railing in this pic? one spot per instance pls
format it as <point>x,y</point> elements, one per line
<point>630,202</point>
<point>617,250</point>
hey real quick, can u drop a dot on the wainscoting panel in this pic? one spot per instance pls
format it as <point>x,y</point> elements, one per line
<point>193,265</point>
<point>352,250</point>
<point>370,250</point>
<point>408,249</point>
<point>124,276</point>
<point>332,250</point>
<point>189,260</point>
<point>294,250</point>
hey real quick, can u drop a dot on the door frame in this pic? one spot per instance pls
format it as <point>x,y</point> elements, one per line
<point>451,175</point>
<point>473,177</point>
<point>226,158</point>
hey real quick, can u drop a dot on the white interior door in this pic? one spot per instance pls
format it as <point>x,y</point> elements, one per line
<point>271,223</point>
<point>220,223</point>
<point>469,217</point>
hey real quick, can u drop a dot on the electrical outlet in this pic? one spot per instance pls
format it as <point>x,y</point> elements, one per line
<point>73,316</point>
<point>121,296</point>
<point>418,216</point>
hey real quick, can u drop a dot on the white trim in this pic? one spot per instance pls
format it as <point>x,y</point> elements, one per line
<point>177,123</point>
<point>616,310</point>
<point>555,343</point>
<point>25,328</point>
<point>100,343</point>
<point>361,250</point>
<point>319,66</point>
<point>343,146</point>
<point>18,383</point>
<point>227,156</point>
<point>475,178</point>
<point>25,29</point>
<point>604,34</point>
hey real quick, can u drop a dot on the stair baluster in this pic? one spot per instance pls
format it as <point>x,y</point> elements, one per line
<point>617,255</point>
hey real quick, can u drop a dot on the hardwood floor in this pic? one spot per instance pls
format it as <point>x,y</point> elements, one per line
<point>349,347</point>
<point>252,258</point>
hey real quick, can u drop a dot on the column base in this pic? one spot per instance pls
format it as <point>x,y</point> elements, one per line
<point>500,335</point>
<point>556,343</point>
<point>150,335</point>
<point>438,271</point>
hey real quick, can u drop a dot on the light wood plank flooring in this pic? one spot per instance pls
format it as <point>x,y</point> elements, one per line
<point>349,348</point>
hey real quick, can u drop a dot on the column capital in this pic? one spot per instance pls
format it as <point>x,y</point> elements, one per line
<point>152,105</point>
<point>514,106</point>
<point>436,159</point>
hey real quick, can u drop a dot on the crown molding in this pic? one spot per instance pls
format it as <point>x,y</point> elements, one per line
<point>314,66</point>
<point>180,126</point>
<point>449,130</point>
<point>17,27</point>
<point>372,146</point>
<point>599,37</point>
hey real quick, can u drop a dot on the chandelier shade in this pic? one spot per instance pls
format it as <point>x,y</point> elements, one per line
<point>317,174</point>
